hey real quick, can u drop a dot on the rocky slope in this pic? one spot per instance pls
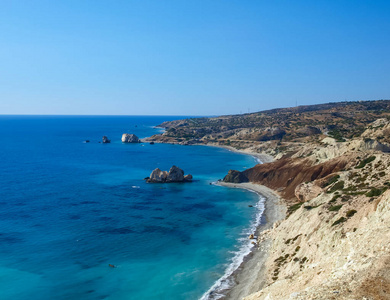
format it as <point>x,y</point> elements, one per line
<point>332,169</point>
<point>335,242</point>
<point>279,130</point>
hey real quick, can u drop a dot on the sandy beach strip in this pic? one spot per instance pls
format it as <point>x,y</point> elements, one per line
<point>250,276</point>
<point>264,158</point>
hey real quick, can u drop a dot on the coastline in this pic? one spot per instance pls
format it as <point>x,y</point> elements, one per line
<point>261,157</point>
<point>249,277</point>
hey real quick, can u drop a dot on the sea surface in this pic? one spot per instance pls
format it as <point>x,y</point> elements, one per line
<point>68,209</point>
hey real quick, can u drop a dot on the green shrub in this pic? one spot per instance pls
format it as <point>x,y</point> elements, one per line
<point>374,192</point>
<point>337,186</point>
<point>365,161</point>
<point>332,180</point>
<point>341,220</point>
<point>334,199</point>
<point>336,134</point>
<point>335,208</point>
<point>294,207</point>
<point>350,213</point>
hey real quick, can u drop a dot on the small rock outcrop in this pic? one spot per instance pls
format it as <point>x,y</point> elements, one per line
<point>369,144</point>
<point>235,177</point>
<point>175,174</point>
<point>188,177</point>
<point>307,191</point>
<point>130,138</point>
<point>105,140</point>
<point>158,176</point>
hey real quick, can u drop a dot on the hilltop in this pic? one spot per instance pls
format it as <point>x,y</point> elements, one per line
<point>339,120</point>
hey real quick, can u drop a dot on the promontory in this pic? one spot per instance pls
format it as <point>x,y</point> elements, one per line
<point>330,163</point>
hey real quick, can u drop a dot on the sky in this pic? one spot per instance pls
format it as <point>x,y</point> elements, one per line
<point>190,57</point>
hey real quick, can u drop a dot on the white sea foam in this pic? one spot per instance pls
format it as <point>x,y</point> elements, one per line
<point>257,159</point>
<point>135,187</point>
<point>225,282</point>
<point>159,129</point>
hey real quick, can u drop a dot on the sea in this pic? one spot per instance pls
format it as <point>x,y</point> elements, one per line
<point>78,221</point>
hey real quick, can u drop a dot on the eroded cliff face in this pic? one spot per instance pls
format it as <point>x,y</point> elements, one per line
<point>314,255</point>
<point>286,174</point>
<point>335,242</point>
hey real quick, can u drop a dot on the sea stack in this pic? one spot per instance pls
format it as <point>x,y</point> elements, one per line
<point>175,174</point>
<point>130,138</point>
<point>106,140</point>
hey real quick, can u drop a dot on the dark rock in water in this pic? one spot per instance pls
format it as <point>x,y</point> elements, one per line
<point>175,174</point>
<point>188,177</point>
<point>235,177</point>
<point>106,140</point>
<point>86,141</point>
<point>152,143</point>
<point>130,138</point>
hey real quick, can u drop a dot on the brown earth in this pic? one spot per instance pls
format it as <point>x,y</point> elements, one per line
<point>286,174</point>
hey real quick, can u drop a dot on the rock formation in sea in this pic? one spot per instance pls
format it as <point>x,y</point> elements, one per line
<point>130,138</point>
<point>158,176</point>
<point>188,177</point>
<point>175,174</point>
<point>106,140</point>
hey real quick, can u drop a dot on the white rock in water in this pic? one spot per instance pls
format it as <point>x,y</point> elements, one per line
<point>130,138</point>
<point>158,176</point>
<point>175,175</point>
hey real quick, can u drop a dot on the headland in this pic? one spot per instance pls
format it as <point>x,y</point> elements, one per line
<point>331,170</point>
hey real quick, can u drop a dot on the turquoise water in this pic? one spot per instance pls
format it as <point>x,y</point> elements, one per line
<point>69,209</point>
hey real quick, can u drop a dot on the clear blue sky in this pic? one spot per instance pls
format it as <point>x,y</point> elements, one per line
<point>190,57</point>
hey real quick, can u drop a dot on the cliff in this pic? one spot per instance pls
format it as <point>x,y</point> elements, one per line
<point>332,168</point>
<point>334,244</point>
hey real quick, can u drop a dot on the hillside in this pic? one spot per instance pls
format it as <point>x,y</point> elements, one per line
<point>332,168</point>
<point>340,120</point>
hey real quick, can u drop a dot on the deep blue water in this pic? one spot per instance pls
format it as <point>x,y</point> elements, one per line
<point>68,209</point>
